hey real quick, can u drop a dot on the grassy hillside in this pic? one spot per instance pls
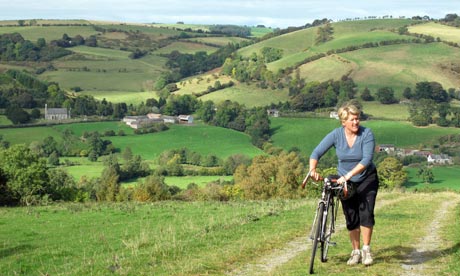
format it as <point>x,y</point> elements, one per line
<point>306,133</point>
<point>397,66</point>
<point>445,33</point>
<point>213,238</point>
<point>97,69</point>
<point>110,73</point>
<point>444,178</point>
<point>200,138</point>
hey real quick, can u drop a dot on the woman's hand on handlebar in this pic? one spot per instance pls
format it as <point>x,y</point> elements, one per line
<point>314,175</point>
<point>342,180</point>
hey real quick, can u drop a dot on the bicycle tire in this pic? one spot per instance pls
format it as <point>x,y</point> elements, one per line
<point>316,234</point>
<point>327,230</point>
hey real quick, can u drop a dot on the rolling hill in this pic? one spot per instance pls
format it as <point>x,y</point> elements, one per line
<point>107,70</point>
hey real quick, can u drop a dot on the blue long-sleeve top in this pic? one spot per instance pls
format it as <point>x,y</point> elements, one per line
<point>361,152</point>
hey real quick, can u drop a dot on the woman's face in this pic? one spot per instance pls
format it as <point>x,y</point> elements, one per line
<point>351,123</point>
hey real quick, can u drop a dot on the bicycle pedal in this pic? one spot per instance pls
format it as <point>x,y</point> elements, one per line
<point>332,243</point>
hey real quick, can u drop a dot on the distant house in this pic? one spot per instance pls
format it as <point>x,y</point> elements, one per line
<point>441,159</point>
<point>273,112</point>
<point>334,114</point>
<point>56,113</point>
<point>150,119</point>
<point>185,119</point>
<point>169,119</point>
<point>134,121</point>
<point>423,153</point>
<point>388,148</point>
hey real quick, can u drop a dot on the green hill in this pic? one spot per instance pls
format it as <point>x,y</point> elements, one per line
<point>398,66</point>
<point>107,71</point>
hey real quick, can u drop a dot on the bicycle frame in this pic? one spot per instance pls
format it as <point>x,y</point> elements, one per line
<point>325,217</point>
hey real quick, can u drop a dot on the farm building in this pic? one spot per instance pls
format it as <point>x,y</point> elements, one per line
<point>334,114</point>
<point>185,119</point>
<point>441,159</point>
<point>148,120</point>
<point>273,112</point>
<point>388,148</point>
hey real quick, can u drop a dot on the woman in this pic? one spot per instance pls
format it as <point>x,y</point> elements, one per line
<point>354,147</point>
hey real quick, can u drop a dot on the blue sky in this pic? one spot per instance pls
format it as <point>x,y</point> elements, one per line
<point>271,13</point>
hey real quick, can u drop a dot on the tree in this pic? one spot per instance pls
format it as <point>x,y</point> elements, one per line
<point>391,173</point>
<point>35,113</point>
<point>443,111</point>
<point>366,95</point>
<point>152,189</point>
<point>421,112</point>
<point>108,186</point>
<point>17,115</point>
<point>386,95</point>
<point>53,159</point>
<point>127,154</point>
<point>270,176</point>
<point>324,33</point>
<point>62,186</point>
<point>426,174</point>
<point>407,93</point>
<point>206,111</point>
<point>232,162</point>
<point>25,174</point>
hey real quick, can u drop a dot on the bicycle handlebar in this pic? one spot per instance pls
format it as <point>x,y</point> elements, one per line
<point>305,180</point>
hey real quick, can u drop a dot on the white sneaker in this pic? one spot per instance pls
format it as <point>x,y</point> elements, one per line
<point>367,257</point>
<point>355,257</point>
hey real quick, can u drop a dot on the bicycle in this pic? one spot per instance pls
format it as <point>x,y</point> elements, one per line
<point>326,214</point>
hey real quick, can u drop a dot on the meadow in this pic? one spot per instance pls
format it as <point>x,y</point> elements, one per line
<point>444,32</point>
<point>445,178</point>
<point>305,134</point>
<point>287,133</point>
<point>248,95</point>
<point>96,69</point>
<point>397,66</point>
<point>214,238</point>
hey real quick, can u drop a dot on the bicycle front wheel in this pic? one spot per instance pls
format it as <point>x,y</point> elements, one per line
<point>328,229</point>
<point>316,234</point>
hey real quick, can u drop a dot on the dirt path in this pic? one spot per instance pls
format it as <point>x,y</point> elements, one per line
<point>415,265</point>
<point>278,257</point>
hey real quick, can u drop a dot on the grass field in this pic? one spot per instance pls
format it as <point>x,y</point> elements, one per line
<point>204,139</point>
<point>446,33</point>
<point>4,121</point>
<point>96,69</point>
<point>397,66</point>
<point>29,134</point>
<point>445,177</point>
<point>128,97</point>
<point>211,238</point>
<point>403,66</point>
<point>397,112</point>
<point>200,138</point>
<point>218,40</point>
<point>248,95</point>
<point>186,47</point>
<point>306,133</point>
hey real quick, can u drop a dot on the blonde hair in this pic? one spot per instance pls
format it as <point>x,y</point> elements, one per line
<point>347,110</point>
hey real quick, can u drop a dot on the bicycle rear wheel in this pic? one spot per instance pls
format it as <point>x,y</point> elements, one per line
<point>316,234</point>
<point>328,230</point>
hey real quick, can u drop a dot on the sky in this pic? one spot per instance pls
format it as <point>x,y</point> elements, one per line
<point>271,13</point>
